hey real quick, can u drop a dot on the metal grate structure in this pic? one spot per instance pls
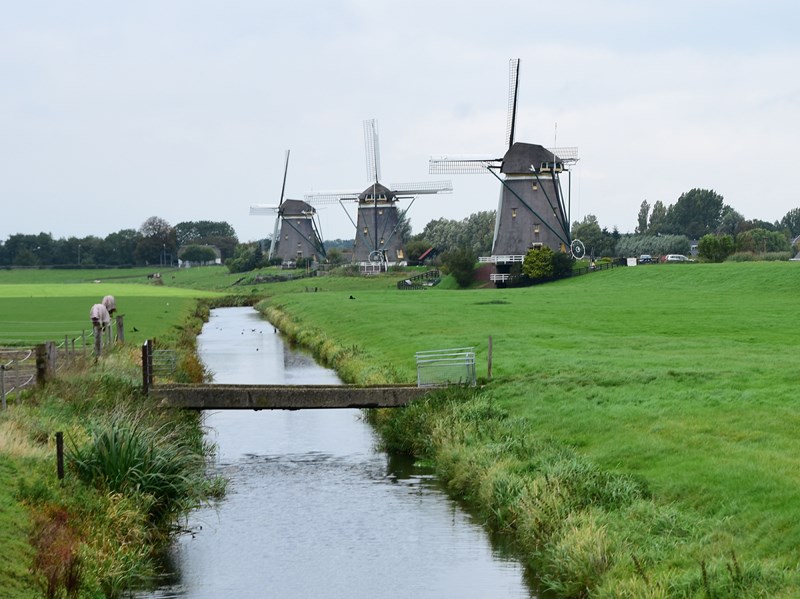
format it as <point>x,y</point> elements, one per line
<point>441,367</point>
<point>165,362</point>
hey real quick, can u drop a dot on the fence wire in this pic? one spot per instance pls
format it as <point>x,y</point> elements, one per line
<point>17,371</point>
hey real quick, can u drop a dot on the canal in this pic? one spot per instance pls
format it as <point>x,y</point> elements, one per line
<point>313,509</point>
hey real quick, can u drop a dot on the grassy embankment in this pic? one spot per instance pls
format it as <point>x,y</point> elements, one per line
<point>130,479</point>
<point>639,433</point>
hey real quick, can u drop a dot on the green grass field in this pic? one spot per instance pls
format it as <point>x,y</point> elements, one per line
<point>34,309</point>
<point>682,374</point>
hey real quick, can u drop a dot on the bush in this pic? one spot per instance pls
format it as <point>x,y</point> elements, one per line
<point>562,265</point>
<point>461,264</point>
<point>715,248</point>
<point>538,264</point>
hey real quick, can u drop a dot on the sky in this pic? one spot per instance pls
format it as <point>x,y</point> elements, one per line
<point>114,112</point>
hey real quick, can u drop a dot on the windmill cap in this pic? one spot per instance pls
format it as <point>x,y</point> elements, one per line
<point>521,157</point>
<point>377,191</point>
<point>296,208</point>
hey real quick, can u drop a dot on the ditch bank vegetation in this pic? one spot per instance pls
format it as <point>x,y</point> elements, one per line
<point>582,530</point>
<point>133,472</point>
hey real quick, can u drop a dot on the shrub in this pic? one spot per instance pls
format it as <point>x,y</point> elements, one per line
<point>538,264</point>
<point>715,248</point>
<point>461,264</point>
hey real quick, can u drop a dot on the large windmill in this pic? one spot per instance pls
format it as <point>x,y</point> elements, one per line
<point>377,237</point>
<point>299,233</point>
<point>532,211</point>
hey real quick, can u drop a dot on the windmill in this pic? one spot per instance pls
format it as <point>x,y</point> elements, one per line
<point>299,234</point>
<point>531,211</point>
<point>377,238</point>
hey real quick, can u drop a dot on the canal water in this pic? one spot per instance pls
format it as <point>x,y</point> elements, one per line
<point>312,508</point>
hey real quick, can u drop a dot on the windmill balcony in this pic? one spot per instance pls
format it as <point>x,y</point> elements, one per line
<point>504,259</point>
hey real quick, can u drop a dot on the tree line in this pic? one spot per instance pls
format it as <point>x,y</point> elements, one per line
<point>698,214</point>
<point>155,242</point>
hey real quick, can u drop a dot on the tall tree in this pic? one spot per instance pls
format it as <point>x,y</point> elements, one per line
<point>644,211</point>
<point>474,233</point>
<point>791,222</point>
<point>158,244</point>
<point>696,213</point>
<point>658,218</point>
<point>731,222</point>
<point>120,247</point>
<point>198,231</point>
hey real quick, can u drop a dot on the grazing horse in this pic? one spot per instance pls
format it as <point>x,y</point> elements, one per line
<point>100,316</point>
<point>110,303</point>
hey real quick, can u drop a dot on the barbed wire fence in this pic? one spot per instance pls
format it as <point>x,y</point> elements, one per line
<point>19,354</point>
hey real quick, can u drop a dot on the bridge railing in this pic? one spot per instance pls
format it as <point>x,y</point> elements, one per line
<point>441,367</point>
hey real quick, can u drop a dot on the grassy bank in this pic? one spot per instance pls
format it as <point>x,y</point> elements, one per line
<point>133,470</point>
<point>677,380</point>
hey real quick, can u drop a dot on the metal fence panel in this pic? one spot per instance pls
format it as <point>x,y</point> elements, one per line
<point>440,367</point>
<point>165,362</point>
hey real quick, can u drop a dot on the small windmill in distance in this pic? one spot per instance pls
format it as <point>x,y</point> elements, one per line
<point>531,212</point>
<point>377,237</point>
<point>299,233</point>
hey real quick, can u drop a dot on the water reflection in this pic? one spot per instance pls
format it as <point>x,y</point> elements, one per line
<point>312,509</point>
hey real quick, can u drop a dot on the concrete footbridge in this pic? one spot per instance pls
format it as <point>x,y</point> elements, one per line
<point>435,368</point>
<point>285,397</point>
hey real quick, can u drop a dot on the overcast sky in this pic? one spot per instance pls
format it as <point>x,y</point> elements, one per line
<point>113,112</point>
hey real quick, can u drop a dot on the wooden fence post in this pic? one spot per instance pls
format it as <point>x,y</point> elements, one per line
<point>147,366</point>
<point>45,362</point>
<point>3,385</point>
<point>120,329</point>
<point>489,358</point>
<point>60,455</point>
<point>98,340</point>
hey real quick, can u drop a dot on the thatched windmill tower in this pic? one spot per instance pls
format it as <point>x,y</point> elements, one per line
<point>532,210</point>
<point>299,235</point>
<point>376,238</point>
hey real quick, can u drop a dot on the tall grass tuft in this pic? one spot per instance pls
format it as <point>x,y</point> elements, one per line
<point>131,459</point>
<point>572,564</point>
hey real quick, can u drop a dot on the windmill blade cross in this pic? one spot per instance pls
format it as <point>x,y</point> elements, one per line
<point>462,165</point>
<point>567,154</point>
<point>263,210</point>
<point>285,172</point>
<point>513,93</point>
<point>421,188</point>
<point>372,149</point>
<point>321,198</point>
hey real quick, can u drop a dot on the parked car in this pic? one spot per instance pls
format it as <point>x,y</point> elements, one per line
<point>677,258</point>
<point>645,259</point>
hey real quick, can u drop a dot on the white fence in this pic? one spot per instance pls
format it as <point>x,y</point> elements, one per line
<point>440,367</point>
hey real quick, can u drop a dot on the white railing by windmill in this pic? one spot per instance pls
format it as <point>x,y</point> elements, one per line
<point>440,367</point>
